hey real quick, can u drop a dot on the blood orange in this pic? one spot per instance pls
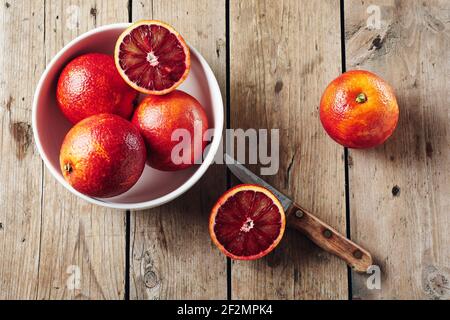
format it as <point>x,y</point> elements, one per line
<point>102,156</point>
<point>159,117</point>
<point>152,57</point>
<point>359,110</point>
<point>247,222</point>
<point>89,85</point>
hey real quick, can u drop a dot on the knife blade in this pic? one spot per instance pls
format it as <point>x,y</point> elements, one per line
<point>246,176</point>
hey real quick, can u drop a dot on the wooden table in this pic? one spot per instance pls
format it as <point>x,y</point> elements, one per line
<point>273,59</point>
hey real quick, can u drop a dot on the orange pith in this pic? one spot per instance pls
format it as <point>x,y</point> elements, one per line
<point>247,222</point>
<point>152,57</point>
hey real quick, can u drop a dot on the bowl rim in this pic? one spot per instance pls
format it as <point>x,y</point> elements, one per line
<point>218,115</point>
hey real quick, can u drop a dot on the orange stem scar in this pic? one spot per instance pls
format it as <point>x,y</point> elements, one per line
<point>67,168</point>
<point>361,98</point>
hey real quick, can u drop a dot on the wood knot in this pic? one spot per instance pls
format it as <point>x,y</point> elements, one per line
<point>429,149</point>
<point>436,283</point>
<point>9,103</point>
<point>219,46</point>
<point>396,191</point>
<point>377,43</point>
<point>350,161</point>
<point>150,279</point>
<point>278,86</point>
<point>21,132</point>
<point>434,23</point>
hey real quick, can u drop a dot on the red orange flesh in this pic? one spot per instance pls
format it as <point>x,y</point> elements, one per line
<point>359,110</point>
<point>102,156</point>
<point>90,84</point>
<point>247,222</point>
<point>152,57</point>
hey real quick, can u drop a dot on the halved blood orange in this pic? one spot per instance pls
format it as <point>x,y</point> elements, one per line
<point>152,57</point>
<point>247,222</point>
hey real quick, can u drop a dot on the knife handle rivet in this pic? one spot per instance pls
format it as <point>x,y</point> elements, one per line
<point>299,214</point>
<point>327,233</point>
<point>357,254</point>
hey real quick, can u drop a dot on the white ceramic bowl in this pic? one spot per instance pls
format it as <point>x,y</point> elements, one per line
<point>155,187</point>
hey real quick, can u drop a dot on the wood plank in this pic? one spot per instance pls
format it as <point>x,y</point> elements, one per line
<point>283,54</point>
<point>79,238</point>
<point>172,256</point>
<point>22,24</point>
<point>400,200</point>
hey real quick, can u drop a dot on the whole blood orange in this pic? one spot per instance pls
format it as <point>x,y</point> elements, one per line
<point>173,126</point>
<point>152,57</point>
<point>247,222</point>
<point>102,156</point>
<point>90,84</point>
<point>359,110</point>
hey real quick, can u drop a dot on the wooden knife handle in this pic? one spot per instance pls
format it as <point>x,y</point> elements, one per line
<point>328,238</point>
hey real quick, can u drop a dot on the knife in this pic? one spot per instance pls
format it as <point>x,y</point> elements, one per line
<point>315,229</point>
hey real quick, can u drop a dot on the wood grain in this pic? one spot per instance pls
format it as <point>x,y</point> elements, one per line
<point>400,200</point>
<point>172,256</point>
<point>78,238</point>
<point>327,238</point>
<point>283,53</point>
<point>22,60</point>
